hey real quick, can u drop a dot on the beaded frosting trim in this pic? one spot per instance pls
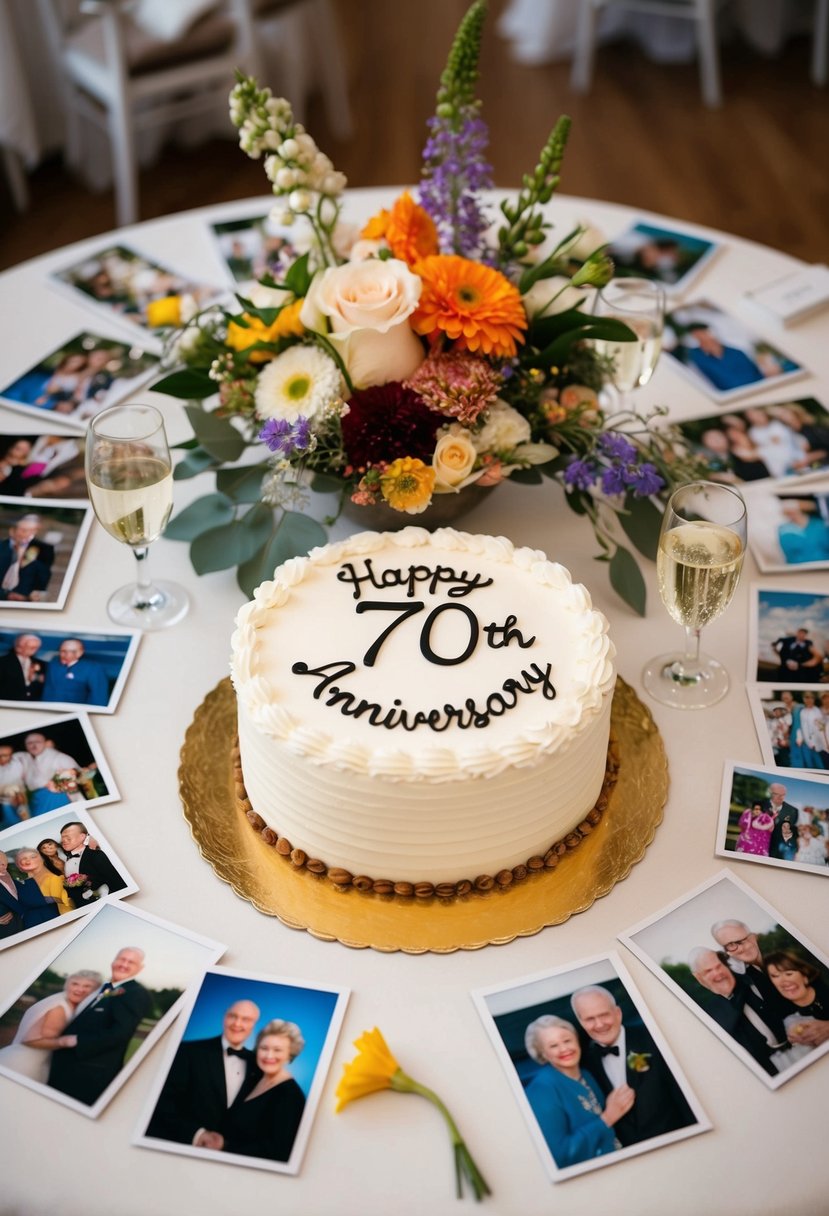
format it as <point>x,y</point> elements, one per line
<point>343,879</point>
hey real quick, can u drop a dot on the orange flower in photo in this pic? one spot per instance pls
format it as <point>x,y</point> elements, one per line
<point>410,231</point>
<point>472,304</point>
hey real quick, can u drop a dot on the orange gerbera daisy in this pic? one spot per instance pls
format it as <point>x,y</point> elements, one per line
<point>410,231</point>
<point>472,304</point>
<point>375,228</point>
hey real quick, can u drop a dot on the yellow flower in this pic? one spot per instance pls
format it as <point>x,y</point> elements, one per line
<point>407,485</point>
<point>286,324</point>
<point>164,312</point>
<point>369,1072</point>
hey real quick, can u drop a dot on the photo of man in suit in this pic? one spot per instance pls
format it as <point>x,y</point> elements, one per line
<point>75,679</point>
<point>783,812</point>
<point>205,1078</point>
<point>625,1054</point>
<point>736,1009</point>
<point>90,1052</point>
<point>22,674</point>
<point>25,562</point>
<point>104,879</point>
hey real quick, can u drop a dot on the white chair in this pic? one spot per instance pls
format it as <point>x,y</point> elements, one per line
<point>117,76</point>
<point>703,12</point>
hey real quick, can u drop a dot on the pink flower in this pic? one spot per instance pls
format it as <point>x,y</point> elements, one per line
<point>493,473</point>
<point>456,383</point>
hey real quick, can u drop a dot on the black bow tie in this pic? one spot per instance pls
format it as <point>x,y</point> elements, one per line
<point>608,1051</point>
<point>73,855</point>
<point>235,1051</point>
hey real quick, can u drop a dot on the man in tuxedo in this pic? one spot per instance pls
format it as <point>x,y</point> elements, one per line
<point>799,658</point>
<point>782,810</point>
<point>25,562</point>
<point>91,1050</point>
<point>21,674</point>
<point>735,1007</point>
<point>205,1078</point>
<point>620,1054</point>
<point>104,879</point>
<point>75,679</point>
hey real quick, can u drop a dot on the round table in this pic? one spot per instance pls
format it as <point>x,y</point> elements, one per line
<point>389,1152</point>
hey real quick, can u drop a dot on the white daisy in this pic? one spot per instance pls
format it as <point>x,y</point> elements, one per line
<point>303,380</point>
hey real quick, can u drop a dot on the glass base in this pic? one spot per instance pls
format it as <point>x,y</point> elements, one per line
<point>160,605</point>
<point>664,680</point>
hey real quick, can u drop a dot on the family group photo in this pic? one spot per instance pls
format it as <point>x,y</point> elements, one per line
<point>754,980</point>
<point>775,818</point>
<point>84,1022</point>
<point>49,766</point>
<point>793,726</point>
<point>594,1078</point>
<point>761,441</point>
<point>245,1070</point>
<point>54,869</point>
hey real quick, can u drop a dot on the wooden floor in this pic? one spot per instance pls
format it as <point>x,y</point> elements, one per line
<point>757,167</point>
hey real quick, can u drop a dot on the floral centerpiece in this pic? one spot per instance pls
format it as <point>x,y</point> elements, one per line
<point>433,350</point>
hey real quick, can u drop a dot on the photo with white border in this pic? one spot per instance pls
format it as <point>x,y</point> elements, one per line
<point>774,817</point>
<point>643,1093</point>
<point>711,946</point>
<point>665,255</point>
<point>792,723</point>
<point>40,547</point>
<point>788,636</point>
<point>789,524</point>
<point>67,669</point>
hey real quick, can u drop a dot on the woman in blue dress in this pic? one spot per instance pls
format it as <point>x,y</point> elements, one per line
<point>566,1100</point>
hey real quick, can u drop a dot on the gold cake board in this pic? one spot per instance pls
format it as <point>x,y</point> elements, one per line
<point>387,922</point>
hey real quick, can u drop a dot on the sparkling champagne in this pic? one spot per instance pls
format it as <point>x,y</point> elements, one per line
<point>698,567</point>
<point>132,497</point>
<point>633,362</point>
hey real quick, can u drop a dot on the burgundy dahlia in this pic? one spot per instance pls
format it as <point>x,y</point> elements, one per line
<point>388,421</point>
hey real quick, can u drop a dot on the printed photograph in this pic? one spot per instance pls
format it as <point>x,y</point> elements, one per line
<point>789,525</point>
<point>52,765</point>
<point>40,550</point>
<point>53,870</point>
<point>254,247</point>
<point>792,726</point>
<point>775,818</point>
<point>593,1076</point>
<point>671,258</point>
<point>75,382</point>
<point>122,283</point>
<point>42,466</point>
<point>761,441</point>
<point>58,670</point>
<point>244,1073</point>
<point>720,354</point>
<point>788,637</point>
<point>749,975</point>
<point>83,1023</point>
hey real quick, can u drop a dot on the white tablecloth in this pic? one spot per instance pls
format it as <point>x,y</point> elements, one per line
<point>390,1152</point>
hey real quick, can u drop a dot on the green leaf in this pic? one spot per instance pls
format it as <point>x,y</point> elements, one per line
<point>189,384</point>
<point>326,483</point>
<point>527,477</point>
<point>294,536</point>
<point>209,512</point>
<point>608,328</point>
<point>298,277</point>
<point>195,462</point>
<point>626,580</point>
<point>641,523</point>
<point>244,484</point>
<point>232,544</point>
<point>576,501</point>
<point>216,435</point>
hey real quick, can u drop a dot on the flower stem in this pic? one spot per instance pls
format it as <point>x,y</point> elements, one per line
<point>465,1166</point>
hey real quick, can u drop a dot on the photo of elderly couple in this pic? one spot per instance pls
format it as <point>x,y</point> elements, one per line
<point>85,1021</point>
<point>754,980</point>
<point>595,1080</point>
<point>245,1072</point>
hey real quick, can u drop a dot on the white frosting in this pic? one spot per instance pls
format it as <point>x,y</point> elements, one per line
<point>423,803</point>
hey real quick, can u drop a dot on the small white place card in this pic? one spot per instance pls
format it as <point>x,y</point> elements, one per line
<point>794,297</point>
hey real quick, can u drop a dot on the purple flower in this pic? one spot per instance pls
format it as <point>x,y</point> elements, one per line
<point>580,474</point>
<point>617,447</point>
<point>455,172</point>
<point>644,480</point>
<point>614,479</point>
<point>286,437</point>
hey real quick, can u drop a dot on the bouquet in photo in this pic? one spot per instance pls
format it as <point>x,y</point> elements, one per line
<point>65,781</point>
<point>433,349</point>
<point>80,882</point>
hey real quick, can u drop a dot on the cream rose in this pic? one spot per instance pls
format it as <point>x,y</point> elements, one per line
<point>503,429</point>
<point>549,296</point>
<point>367,306</point>
<point>453,460</point>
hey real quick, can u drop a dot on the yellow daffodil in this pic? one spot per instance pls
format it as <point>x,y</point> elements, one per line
<point>164,313</point>
<point>374,1068</point>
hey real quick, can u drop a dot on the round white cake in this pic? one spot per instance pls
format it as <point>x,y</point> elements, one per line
<point>422,707</point>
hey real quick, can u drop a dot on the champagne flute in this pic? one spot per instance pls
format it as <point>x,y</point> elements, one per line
<point>701,548</point>
<point>129,473</point>
<point>639,304</point>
